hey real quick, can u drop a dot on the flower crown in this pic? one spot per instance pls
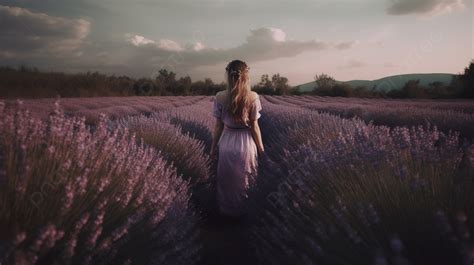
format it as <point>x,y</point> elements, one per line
<point>236,71</point>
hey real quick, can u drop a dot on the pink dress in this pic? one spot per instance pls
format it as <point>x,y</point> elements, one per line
<point>237,159</point>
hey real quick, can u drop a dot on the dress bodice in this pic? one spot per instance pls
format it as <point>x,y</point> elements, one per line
<point>220,111</point>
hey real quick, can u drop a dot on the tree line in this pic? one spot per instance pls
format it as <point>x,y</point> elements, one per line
<point>461,86</point>
<point>29,82</point>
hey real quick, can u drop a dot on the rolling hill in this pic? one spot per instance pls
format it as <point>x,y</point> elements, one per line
<point>389,82</point>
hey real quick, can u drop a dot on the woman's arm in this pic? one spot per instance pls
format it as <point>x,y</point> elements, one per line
<point>218,127</point>
<point>257,136</point>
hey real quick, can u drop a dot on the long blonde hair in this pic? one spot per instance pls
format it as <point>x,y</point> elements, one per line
<point>238,90</point>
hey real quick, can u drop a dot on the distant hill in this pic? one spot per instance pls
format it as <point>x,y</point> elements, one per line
<point>389,82</point>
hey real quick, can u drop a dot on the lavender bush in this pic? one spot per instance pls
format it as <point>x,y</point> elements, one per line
<point>195,120</point>
<point>184,152</point>
<point>341,182</point>
<point>351,193</point>
<point>446,115</point>
<point>73,196</point>
<point>113,107</point>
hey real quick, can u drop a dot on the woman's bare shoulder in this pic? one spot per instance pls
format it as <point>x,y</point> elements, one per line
<point>253,96</point>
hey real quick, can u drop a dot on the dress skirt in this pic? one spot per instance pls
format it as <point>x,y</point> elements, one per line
<point>236,167</point>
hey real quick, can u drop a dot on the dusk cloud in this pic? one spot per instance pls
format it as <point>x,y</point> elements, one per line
<point>404,7</point>
<point>261,44</point>
<point>43,39</point>
<point>197,38</point>
<point>27,33</point>
<point>345,45</point>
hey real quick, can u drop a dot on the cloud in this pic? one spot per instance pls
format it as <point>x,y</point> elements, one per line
<point>261,44</point>
<point>265,35</point>
<point>346,45</point>
<point>425,7</point>
<point>138,40</point>
<point>63,43</point>
<point>169,45</point>
<point>198,46</point>
<point>27,33</point>
<point>164,44</point>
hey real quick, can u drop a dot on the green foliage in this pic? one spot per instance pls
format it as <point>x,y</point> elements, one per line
<point>27,82</point>
<point>143,87</point>
<point>206,87</point>
<point>467,79</point>
<point>328,86</point>
<point>324,82</point>
<point>462,86</point>
<point>412,89</point>
<point>281,84</point>
<point>278,85</point>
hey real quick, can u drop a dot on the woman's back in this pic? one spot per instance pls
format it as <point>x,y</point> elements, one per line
<point>236,139</point>
<point>220,109</point>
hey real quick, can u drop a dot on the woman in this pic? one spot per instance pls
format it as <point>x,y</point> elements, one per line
<point>236,139</point>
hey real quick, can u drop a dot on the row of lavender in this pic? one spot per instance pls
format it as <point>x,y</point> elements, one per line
<point>339,191</point>
<point>456,115</point>
<point>117,192</point>
<point>183,137</point>
<point>323,175</point>
<point>461,105</point>
<point>113,107</point>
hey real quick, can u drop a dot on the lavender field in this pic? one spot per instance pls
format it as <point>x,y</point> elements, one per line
<point>129,180</point>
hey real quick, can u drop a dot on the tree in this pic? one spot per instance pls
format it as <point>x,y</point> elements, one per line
<point>324,83</point>
<point>411,89</point>
<point>143,87</point>
<point>467,79</point>
<point>165,81</point>
<point>436,85</point>
<point>341,90</point>
<point>182,87</point>
<point>265,86</point>
<point>280,84</point>
<point>277,85</point>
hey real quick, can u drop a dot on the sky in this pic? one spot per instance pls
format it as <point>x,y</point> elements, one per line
<point>347,39</point>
